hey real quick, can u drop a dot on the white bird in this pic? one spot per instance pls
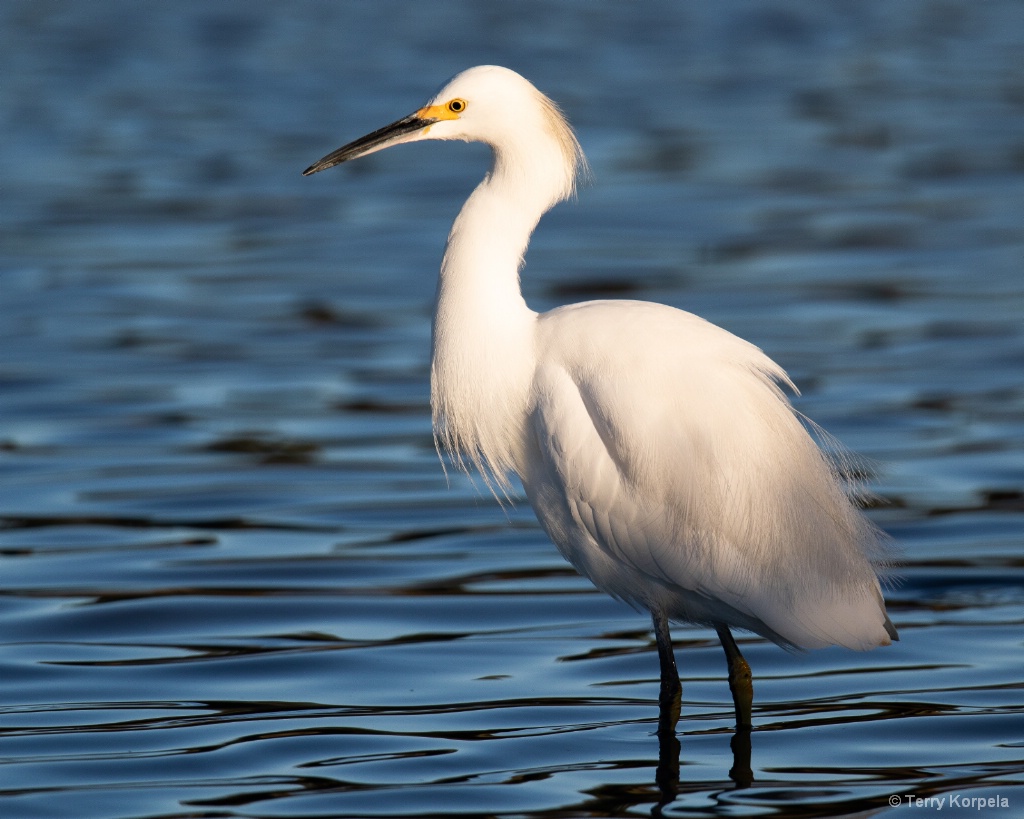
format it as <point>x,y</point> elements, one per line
<point>658,451</point>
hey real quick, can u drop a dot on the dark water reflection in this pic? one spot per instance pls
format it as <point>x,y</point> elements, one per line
<point>234,580</point>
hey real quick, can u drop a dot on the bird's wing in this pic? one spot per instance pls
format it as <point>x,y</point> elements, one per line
<point>668,463</point>
<point>639,463</point>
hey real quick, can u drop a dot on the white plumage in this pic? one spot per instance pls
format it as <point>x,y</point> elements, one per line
<point>676,476</point>
<point>658,450</point>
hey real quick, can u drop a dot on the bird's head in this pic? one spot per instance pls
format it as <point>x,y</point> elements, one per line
<point>486,104</point>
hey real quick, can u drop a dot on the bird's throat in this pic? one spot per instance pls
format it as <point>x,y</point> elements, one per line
<point>483,358</point>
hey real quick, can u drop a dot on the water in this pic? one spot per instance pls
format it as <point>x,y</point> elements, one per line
<point>235,580</point>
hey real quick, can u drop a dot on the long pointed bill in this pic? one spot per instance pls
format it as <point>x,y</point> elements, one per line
<point>382,138</point>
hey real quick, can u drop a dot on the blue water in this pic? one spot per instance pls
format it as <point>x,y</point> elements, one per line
<point>234,579</point>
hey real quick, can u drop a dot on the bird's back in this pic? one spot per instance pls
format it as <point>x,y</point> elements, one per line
<point>668,467</point>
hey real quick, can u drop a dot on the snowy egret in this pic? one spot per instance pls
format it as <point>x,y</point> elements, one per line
<point>658,451</point>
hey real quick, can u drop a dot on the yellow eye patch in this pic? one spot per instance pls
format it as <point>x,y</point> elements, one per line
<point>449,110</point>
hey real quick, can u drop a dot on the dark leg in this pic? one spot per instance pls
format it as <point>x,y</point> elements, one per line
<point>669,703</point>
<point>741,681</point>
<point>669,700</point>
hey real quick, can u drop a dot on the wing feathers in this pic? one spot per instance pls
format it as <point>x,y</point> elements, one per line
<point>681,478</point>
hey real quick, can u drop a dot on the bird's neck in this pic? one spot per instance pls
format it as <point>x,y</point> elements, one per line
<point>483,357</point>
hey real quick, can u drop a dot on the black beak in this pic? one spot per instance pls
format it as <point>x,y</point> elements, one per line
<point>379,139</point>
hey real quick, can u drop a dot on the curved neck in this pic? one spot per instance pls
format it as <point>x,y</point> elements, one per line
<point>483,359</point>
<point>489,238</point>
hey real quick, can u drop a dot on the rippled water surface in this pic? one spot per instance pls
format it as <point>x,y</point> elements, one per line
<point>234,579</point>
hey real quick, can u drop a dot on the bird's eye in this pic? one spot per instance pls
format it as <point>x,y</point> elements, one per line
<point>457,106</point>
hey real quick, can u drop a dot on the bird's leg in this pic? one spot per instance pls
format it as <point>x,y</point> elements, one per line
<point>670,697</point>
<point>741,681</point>
<point>669,704</point>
